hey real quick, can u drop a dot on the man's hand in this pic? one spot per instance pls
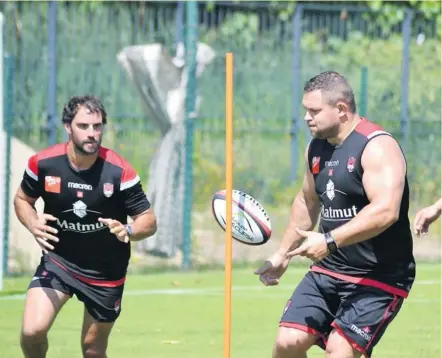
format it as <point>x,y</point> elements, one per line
<point>272,269</point>
<point>42,232</point>
<point>314,246</point>
<point>425,217</point>
<point>116,228</point>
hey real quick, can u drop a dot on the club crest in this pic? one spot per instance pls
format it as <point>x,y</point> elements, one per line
<point>108,189</point>
<point>351,164</point>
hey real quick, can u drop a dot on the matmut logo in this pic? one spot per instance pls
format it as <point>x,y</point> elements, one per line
<point>79,227</point>
<point>80,209</point>
<point>330,214</point>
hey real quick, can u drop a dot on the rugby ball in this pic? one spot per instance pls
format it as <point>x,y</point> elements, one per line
<point>250,222</point>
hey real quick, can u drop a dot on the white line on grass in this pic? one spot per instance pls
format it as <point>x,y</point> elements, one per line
<point>217,291</point>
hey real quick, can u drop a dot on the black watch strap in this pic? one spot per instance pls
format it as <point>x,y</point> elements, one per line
<point>331,243</point>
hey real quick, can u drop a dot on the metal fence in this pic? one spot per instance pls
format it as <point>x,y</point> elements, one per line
<point>69,48</point>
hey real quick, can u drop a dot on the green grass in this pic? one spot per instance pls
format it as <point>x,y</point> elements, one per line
<point>161,324</point>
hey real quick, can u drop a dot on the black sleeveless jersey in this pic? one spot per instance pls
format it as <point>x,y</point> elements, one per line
<point>110,188</point>
<point>385,261</point>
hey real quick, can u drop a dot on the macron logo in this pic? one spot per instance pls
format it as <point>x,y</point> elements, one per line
<point>362,332</point>
<point>79,186</point>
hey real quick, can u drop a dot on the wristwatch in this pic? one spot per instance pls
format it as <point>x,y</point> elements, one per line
<point>331,243</point>
<point>128,230</point>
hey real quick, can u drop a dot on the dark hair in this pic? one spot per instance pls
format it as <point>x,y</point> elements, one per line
<point>335,88</point>
<point>92,103</point>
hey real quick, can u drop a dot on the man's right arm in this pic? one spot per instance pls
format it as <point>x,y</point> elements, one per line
<point>27,194</point>
<point>304,212</point>
<point>25,208</point>
<point>24,204</point>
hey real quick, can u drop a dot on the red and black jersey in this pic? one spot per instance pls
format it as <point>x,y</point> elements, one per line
<point>110,188</point>
<point>385,261</point>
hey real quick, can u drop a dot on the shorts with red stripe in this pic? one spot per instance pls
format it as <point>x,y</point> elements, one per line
<point>360,313</point>
<point>102,299</point>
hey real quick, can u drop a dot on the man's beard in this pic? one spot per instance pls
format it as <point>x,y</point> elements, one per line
<point>80,147</point>
<point>326,133</point>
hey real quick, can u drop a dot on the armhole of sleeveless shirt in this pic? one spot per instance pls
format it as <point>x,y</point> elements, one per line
<point>309,151</point>
<point>378,134</point>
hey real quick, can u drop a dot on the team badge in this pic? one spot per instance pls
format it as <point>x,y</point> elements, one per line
<point>52,184</point>
<point>108,189</point>
<point>315,164</point>
<point>351,164</point>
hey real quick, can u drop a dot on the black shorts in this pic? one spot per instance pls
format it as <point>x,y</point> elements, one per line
<point>102,303</point>
<point>321,303</point>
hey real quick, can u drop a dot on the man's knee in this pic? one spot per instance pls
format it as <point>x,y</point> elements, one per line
<point>33,334</point>
<point>94,347</point>
<point>339,347</point>
<point>94,350</point>
<point>293,341</point>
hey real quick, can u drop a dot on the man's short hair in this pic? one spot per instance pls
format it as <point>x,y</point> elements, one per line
<point>92,103</point>
<point>334,87</point>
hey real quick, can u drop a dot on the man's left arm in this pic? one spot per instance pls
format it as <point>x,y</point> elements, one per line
<point>383,180</point>
<point>143,225</point>
<point>137,206</point>
<point>139,209</point>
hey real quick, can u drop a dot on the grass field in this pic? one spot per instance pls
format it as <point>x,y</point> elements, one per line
<point>180,315</point>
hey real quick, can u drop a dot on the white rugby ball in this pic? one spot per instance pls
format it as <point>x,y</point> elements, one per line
<point>250,222</point>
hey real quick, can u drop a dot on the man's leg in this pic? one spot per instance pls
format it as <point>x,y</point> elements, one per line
<point>338,346</point>
<point>45,297</point>
<point>361,320</point>
<point>102,308</point>
<point>307,317</point>
<point>94,336</point>
<point>293,343</point>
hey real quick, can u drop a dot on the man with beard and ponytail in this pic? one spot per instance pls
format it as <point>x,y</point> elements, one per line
<point>88,193</point>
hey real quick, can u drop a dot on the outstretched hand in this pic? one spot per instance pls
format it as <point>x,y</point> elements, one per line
<point>424,218</point>
<point>314,246</point>
<point>272,269</point>
<point>43,232</point>
<point>116,228</point>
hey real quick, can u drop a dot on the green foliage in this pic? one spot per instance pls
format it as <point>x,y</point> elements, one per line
<point>263,103</point>
<point>241,26</point>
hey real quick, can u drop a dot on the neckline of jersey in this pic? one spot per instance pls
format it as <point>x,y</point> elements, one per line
<point>337,146</point>
<point>78,171</point>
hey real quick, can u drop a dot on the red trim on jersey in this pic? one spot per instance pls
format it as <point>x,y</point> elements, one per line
<point>33,164</point>
<point>53,151</point>
<point>362,281</point>
<point>349,340</point>
<point>110,156</point>
<point>91,281</point>
<point>365,127</point>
